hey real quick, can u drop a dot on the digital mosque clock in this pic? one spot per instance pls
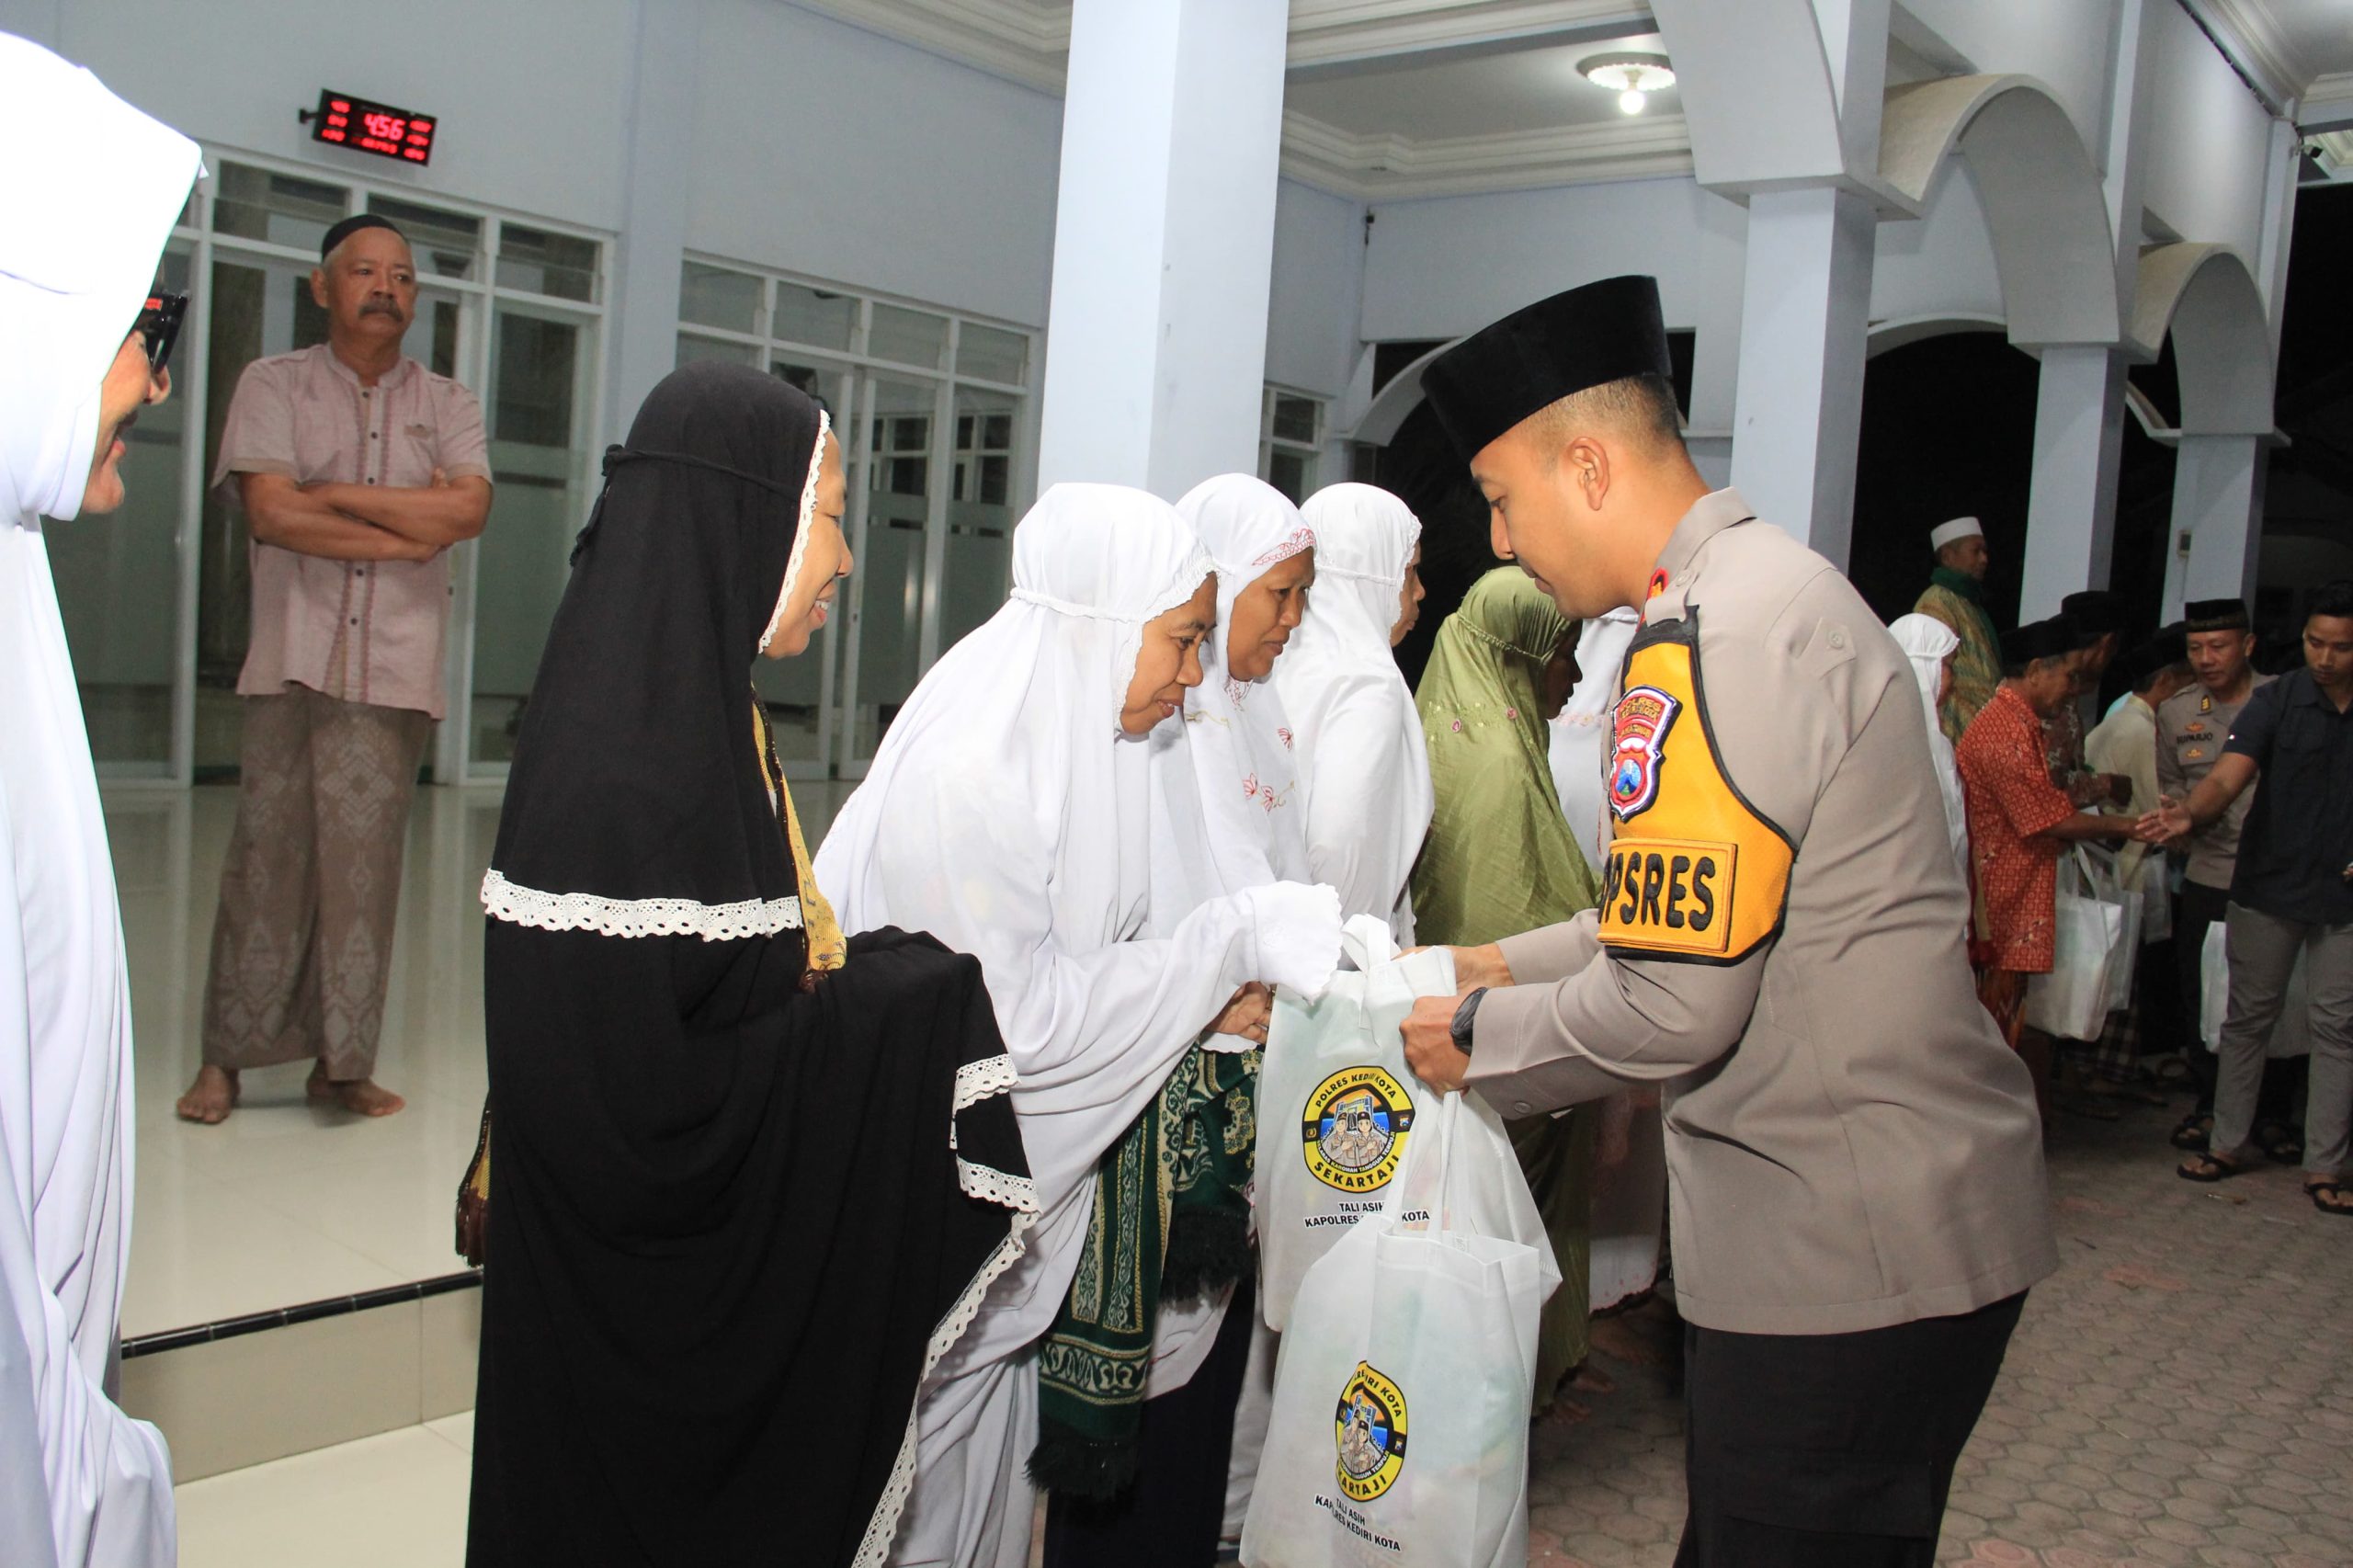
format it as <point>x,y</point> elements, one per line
<point>363,126</point>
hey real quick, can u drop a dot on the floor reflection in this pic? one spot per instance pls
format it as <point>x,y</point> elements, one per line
<point>287,1201</point>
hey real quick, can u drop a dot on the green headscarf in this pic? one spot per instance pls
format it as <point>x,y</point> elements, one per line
<point>1500,858</point>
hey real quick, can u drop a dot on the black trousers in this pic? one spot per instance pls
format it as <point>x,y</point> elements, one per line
<point>1831,1451</point>
<point>1171,1515</point>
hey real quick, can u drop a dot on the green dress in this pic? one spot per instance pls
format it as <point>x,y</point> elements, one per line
<point>1500,859</point>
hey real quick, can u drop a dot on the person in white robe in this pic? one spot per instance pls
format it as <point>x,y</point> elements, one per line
<point>1007,812</point>
<point>1931,646</point>
<point>1233,811</point>
<point>1364,767</point>
<point>90,188</point>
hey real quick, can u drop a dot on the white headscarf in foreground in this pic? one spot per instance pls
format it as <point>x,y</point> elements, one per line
<point>1928,643</point>
<point>1006,814</point>
<point>1362,762</point>
<point>1226,781</point>
<point>90,186</point>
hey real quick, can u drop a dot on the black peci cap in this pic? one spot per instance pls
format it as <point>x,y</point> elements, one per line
<point>1533,358</point>
<point>351,226</point>
<point>2217,615</point>
<point>2053,639</point>
<point>2096,612</point>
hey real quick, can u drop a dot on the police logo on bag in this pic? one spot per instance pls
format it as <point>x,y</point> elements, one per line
<point>1355,1129</point>
<point>1371,1434</point>
<point>1644,716</point>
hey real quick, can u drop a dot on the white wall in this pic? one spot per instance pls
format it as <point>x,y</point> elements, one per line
<point>542,138</point>
<point>1940,265</point>
<point>1312,314</point>
<point>1448,266</point>
<point>827,150</point>
<point>2065,44</point>
<point>2207,138</point>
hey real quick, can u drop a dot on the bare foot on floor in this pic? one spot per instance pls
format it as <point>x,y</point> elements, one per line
<point>210,1098</point>
<point>1590,1378</point>
<point>361,1096</point>
<point>1623,1341</point>
<point>1564,1412</point>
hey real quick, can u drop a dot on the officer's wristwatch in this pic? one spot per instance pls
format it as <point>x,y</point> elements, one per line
<point>1464,1017</point>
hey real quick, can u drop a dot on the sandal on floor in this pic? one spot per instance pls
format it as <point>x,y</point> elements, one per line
<point>2330,1197</point>
<point>2193,1132</point>
<point>2210,1168</point>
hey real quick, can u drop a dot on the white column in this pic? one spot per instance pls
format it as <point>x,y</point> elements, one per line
<point>1806,309</point>
<point>651,249</point>
<point>2217,501</point>
<point>2078,443</point>
<point>1164,242</point>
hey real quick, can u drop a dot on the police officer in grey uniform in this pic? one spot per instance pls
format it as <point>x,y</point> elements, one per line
<point>1858,1201</point>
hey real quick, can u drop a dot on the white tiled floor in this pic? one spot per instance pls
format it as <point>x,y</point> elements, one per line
<point>394,1501</point>
<point>285,1202</point>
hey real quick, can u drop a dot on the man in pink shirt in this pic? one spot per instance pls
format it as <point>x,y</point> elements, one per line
<point>357,469</point>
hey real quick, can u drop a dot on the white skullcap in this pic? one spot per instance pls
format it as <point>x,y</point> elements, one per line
<point>1954,533</point>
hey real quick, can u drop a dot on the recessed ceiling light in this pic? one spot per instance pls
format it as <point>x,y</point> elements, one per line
<point>1633,77</point>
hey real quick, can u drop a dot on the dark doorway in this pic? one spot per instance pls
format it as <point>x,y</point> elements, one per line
<point>1948,431</point>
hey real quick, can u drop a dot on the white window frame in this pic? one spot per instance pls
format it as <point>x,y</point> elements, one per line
<point>1311,452</point>
<point>839,653</point>
<point>453,761</point>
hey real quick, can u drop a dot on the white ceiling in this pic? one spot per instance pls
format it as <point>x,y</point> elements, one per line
<point>1493,95</point>
<point>2314,36</point>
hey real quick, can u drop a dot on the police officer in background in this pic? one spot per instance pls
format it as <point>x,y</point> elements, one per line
<point>1857,1203</point>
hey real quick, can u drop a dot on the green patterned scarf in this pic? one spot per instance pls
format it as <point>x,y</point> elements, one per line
<point>1172,1212</point>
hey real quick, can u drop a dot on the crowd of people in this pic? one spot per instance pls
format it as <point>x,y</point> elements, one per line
<point>2224,797</point>
<point>908,1175</point>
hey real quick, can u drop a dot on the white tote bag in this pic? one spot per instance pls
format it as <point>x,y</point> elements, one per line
<point>1336,1107</point>
<point>2071,1002</point>
<point>2101,877</point>
<point>1402,1398</point>
<point>2291,1036</point>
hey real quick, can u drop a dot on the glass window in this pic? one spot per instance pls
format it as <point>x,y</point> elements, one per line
<point>979,563</point>
<point>539,370</point>
<point>817,317</point>
<point>561,266</point>
<point>713,296</point>
<point>282,210</point>
<point>1296,418</point>
<point>691,348</point>
<point>890,575</point>
<point>1291,472</point>
<point>118,586</point>
<point>992,354</point>
<point>447,245</point>
<point>908,337</point>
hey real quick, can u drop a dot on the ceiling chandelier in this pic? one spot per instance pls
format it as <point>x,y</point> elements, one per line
<point>1633,77</point>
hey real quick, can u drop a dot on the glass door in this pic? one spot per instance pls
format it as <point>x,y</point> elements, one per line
<point>118,586</point>
<point>896,489</point>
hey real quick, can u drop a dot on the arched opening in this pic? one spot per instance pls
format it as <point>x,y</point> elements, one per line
<point>2045,211</point>
<point>1948,431</point>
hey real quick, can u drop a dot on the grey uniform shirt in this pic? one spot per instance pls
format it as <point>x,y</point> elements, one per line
<point>2193,727</point>
<point>1850,1145</point>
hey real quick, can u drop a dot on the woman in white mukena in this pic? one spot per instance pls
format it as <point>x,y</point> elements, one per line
<point>1007,813</point>
<point>1363,767</point>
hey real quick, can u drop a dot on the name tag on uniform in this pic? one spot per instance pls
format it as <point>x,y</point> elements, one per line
<point>1669,895</point>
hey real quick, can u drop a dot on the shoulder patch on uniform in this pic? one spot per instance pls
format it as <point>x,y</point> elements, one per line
<point>1703,877</point>
<point>1645,714</point>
